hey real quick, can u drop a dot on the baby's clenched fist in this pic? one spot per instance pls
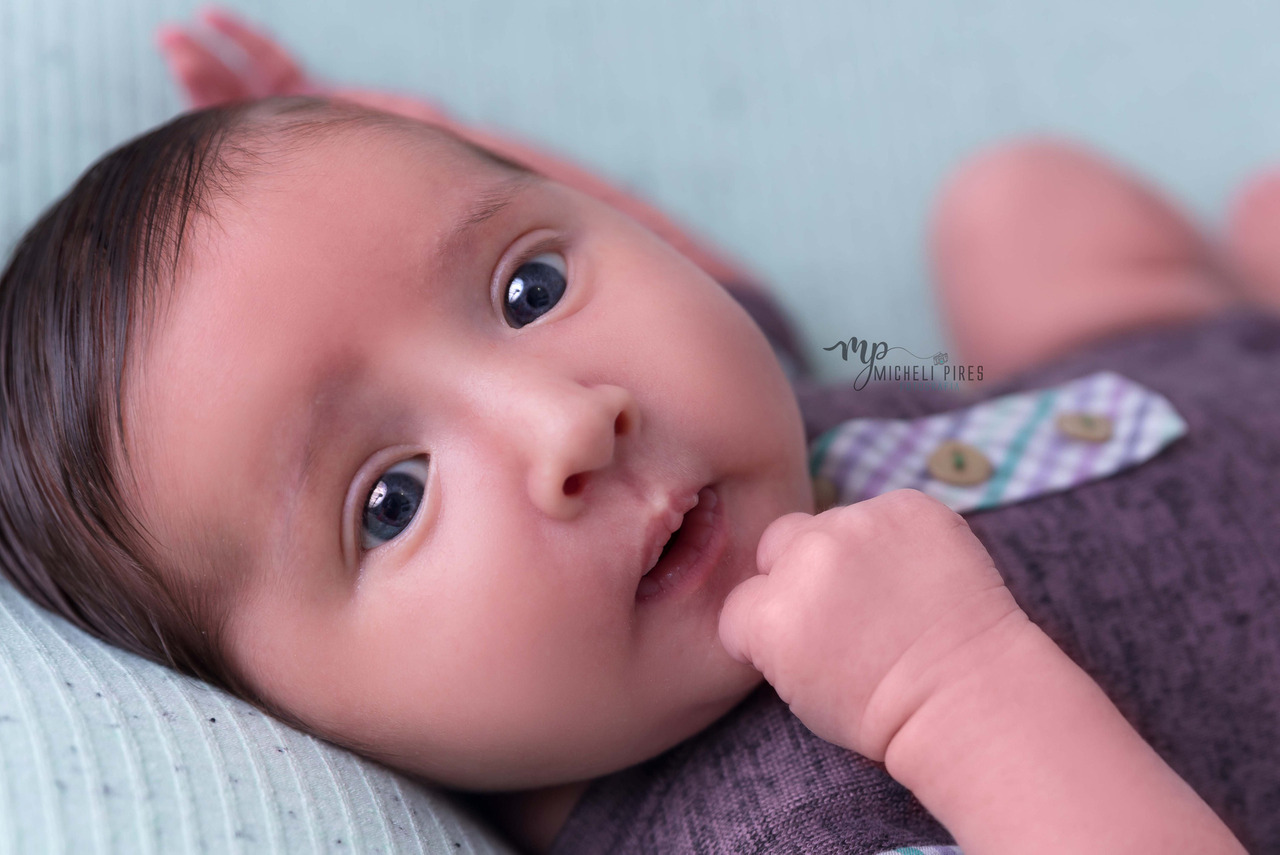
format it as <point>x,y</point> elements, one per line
<point>861,612</point>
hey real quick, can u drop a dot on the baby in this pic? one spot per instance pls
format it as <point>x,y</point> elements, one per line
<point>381,424</point>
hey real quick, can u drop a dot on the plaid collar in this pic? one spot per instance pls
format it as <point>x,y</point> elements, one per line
<point>1001,451</point>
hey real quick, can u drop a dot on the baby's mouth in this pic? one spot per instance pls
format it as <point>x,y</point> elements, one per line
<point>666,549</point>
<point>687,547</point>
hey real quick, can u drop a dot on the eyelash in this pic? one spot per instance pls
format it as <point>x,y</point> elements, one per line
<point>497,293</point>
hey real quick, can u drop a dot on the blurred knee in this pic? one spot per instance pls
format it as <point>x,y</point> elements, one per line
<point>1038,244</point>
<point>1009,189</point>
<point>1058,199</point>
<point>1002,175</point>
<point>1253,239</point>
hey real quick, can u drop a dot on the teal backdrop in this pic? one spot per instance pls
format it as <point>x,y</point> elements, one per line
<point>807,137</point>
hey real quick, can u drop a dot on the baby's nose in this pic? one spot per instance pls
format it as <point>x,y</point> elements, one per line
<point>568,435</point>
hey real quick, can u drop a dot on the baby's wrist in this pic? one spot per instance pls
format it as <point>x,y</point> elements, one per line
<point>949,715</point>
<point>972,635</point>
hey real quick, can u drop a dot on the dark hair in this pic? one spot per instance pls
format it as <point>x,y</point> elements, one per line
<point>83,285</point>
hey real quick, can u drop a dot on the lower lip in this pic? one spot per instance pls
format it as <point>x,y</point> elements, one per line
<point>700,547</point>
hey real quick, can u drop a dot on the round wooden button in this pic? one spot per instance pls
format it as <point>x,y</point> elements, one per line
<point>1091,427</point>
<point>959,463</point>
<point>825,494</point>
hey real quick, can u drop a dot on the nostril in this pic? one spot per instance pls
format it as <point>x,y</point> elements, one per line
<point>573,485</point>
<point>621,423</point>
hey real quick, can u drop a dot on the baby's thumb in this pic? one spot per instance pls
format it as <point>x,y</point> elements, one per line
<point>737,619</point>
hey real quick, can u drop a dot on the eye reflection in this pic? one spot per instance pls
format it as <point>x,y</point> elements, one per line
<point>534,289</point>
<point>393,502</point>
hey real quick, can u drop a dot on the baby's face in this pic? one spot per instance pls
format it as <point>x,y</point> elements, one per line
<point>447,569</point>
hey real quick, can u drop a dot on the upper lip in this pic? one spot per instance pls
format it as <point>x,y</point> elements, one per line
<point>664,521</point>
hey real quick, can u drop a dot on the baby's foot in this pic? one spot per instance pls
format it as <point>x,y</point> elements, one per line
<point>1253,238</point>
<point>220,59</point>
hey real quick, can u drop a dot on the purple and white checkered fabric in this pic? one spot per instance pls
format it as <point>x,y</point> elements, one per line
<point>1017,432</point>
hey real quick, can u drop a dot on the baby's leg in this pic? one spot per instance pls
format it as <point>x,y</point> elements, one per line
<point>1040,246</point>
<point>1253,238</point>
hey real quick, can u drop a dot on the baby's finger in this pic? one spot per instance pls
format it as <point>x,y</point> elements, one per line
<point>201,73</point>
<point>736,616</point>
<point>274,70</point>
<point>777,535</point>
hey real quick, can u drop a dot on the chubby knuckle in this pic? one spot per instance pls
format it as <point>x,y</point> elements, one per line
<point>950,519</point>
<point>920,507</point>
<point>857,521</point>
<point>779,533</point>
<point>787,525</point>
<point>913,500</point>
<point>904,496</point>
<point>896,509</point>
<point>896,504</point>
<point>818,546</point>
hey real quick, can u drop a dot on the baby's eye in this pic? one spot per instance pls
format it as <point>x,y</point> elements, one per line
<point>393,501</point>
<point>535,287</point>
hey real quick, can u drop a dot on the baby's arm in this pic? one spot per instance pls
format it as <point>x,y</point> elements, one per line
<point>267,69</point>
<point>1023,752</point>
<point>887,629</point>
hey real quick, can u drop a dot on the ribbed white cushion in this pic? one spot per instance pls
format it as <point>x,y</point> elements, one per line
<point>102,751</point>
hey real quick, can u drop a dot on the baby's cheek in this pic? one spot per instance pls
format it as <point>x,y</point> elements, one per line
<point>752,386</point>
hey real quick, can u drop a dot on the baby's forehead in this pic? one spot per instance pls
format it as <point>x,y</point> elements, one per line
<point>352,139</point>
<point>327,161</point>
<point>292,169</point>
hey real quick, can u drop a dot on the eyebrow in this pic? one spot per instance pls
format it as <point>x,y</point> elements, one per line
<point>487,205</point>
<point>335,381</point>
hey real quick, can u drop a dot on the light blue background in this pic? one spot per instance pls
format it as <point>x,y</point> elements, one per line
<point>806,137</point>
